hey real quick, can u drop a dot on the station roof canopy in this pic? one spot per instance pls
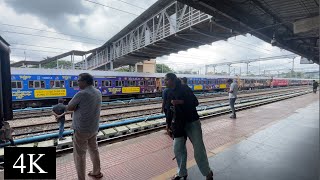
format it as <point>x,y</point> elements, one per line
<point>54,58</point>
<point>289,24</point>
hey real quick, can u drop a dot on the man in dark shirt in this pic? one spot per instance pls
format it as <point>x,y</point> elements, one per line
<point>59,111</point>
<point>315,86</point>
<point>185,123</point>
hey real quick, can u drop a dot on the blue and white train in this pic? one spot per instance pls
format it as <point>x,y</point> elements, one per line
<point>33,87</point>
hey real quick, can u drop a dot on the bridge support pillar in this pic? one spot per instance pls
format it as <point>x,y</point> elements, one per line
<point>206,70</point>
<point>111,65</point>
<point>229,72</point>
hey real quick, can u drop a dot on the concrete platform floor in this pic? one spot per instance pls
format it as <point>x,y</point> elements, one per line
<point>288,150</point>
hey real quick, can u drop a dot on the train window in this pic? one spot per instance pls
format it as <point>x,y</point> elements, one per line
<point>57,84</point>
<point>73,83</point>
<point>36,84</point>
<point>141,83</point>
<point>43,85</point>
<point>30,84</point>
<point>106,83</point>
<point>132,83</point>
<point>95,83</point>
<point>16,84</point>
<point>150,83</point>
<point>13,85</point>
<point>119,83</point>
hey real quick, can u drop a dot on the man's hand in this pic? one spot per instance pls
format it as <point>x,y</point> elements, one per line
<point>169,132</point>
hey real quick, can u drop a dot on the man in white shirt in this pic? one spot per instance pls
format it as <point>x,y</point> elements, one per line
<point>233,92</point>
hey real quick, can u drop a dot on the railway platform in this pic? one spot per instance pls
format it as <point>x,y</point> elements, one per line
<point>273,141</point>
<point>287,150</point>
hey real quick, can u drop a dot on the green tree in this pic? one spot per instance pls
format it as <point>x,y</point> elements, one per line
<point>53,64</point>
<point>123,69</point>
<point>162,68</point>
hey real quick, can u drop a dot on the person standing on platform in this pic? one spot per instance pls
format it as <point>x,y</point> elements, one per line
<point>233,92</point>
<point>315,86</point>
<point>185,123</point>
<point>86,105</point>
<point>59,111</point>
<point>184,81</point>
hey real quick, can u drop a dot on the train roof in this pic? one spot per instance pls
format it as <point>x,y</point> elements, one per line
<point>69,72</point>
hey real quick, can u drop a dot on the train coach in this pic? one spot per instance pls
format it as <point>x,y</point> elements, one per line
<point>32,87</point>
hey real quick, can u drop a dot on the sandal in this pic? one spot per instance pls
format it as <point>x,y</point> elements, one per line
<point>98,176</point>
<point>176,177</point>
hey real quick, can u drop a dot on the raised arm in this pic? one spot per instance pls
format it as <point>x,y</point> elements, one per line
<point>74,102</point>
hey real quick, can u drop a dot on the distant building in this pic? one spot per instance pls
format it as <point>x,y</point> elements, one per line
<point>146,66</point>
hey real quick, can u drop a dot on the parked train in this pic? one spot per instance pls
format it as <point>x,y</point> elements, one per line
<point>37,87</point>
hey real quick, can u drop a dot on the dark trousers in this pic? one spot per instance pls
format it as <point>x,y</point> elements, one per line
<point>314,90</point>
<point>232,102</point>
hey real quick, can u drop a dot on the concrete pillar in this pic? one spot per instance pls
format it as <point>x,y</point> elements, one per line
<point>86,61</point>
<point>72,60</point>
<point>111,65</point>
<point>206,70</point>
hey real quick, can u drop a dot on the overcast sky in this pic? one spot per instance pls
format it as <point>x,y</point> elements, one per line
<point>81,25</point>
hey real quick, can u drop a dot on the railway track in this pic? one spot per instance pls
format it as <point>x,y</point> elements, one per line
<point>204,115</point>
<point>35,129</point>
<point>46,111</point>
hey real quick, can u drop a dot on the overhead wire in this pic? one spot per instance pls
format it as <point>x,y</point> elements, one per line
<point>47,47</point>
<point>25,49</point>
<point>112,7</point>
<point>24,27</point>
<point>27,34</point>
<point>132,5</point>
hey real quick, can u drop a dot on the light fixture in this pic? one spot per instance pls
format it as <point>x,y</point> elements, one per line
<point>273,40</point>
